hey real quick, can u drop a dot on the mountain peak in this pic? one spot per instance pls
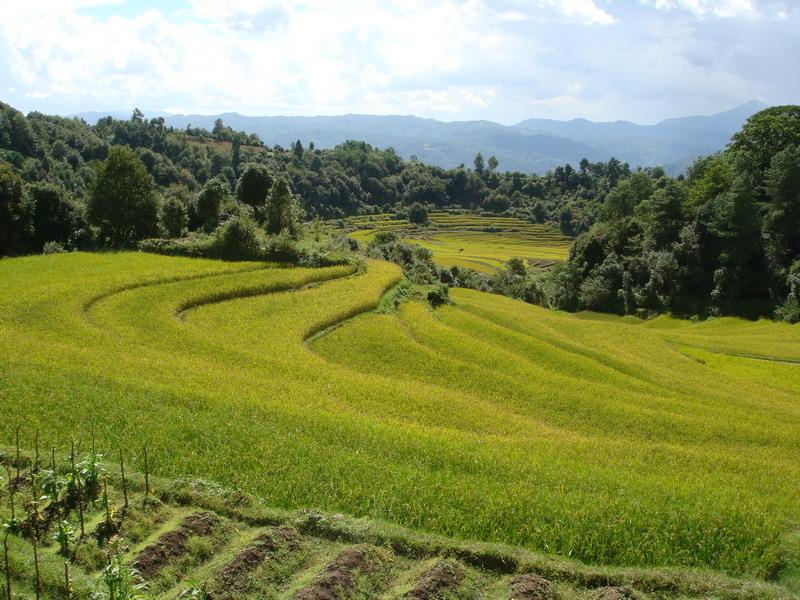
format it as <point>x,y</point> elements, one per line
<point>754,104</point>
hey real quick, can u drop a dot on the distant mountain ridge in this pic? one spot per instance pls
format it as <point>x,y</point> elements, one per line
<point>532,145</point>
<point>668,143</point>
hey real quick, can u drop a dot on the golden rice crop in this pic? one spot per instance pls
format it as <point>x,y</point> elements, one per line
<point>612,441</point>
<point>483,243</point>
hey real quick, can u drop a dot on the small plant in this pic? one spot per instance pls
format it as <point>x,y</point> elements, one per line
<point>200,548</point>
<point>65,537</point>
<point>53,488</point>
<point>74,494</point>
<point>12,526</point>
<point>194,593</point>
<point>109,526</point>
<point>91,472</point>
<point>36,522</point>
<point>121,581</point>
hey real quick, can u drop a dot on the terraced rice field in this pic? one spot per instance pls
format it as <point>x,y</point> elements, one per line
<point>611,441</point>
<point>483,243</point>
<point>192,539</point>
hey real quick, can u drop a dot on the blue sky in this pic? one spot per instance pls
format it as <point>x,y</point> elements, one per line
<point>640,60</point>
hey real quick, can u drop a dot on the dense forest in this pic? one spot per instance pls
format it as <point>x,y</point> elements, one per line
<point>725,239</point>
<point>59,157</point>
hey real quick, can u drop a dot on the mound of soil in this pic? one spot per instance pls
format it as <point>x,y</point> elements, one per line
<point>617,593</point>
<point>443,577</point>
<point>200,523</point>
<point>338,578</point>
<point>532,587</point>
<point>173,544</point>
<point>231,575</point>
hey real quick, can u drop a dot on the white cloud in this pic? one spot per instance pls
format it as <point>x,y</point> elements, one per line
<point>709,8</point>
<point>586,11</point>
<point>269,55</point>
<point>500,59</point>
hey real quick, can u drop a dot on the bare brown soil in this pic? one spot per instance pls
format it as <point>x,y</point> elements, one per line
<point>443,577</point>
<point>532,587</point>
<point>617,593</point>
<point>338,578</point>
<point>173,544</point>
<point>230,576</point>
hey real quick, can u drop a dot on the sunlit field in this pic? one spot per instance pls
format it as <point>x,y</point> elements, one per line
<point>478,242</point>
<point>613,441</point>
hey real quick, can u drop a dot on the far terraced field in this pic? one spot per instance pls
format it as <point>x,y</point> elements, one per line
<point>611,441</point>
<point>479,242</point>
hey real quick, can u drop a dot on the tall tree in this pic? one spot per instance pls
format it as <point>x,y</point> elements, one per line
<point>15,131</point>
<point>741,275</point>
<point>208,204</point>
<point>623,199</point>
<point>297,148</point>
<point>665,215</point>
<point>16,226</point>
<point>122,199</point>
<point>283,210</point>
<point>764,135</point>
<point>782,217</point>
<point>236,156</point>
<point>219,127</point>
<point>478,163</point>
<point>55,217</point>
<point>253,186</point>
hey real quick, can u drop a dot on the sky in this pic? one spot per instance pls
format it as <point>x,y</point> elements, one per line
<point>504,61</point>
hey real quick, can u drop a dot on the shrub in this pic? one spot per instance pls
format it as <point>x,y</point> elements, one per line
<point>417,262</point>
<point>238,238</point>
<point>283,246</point>
<point>53,248</point>
<point>439,295</point>
<point>790,310</point>
<point>173,213</point>
<point>208,204</point>
<point>192,245</point>
<point>418,214</point>
<point>382,238</point>
<point>320,258</point>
